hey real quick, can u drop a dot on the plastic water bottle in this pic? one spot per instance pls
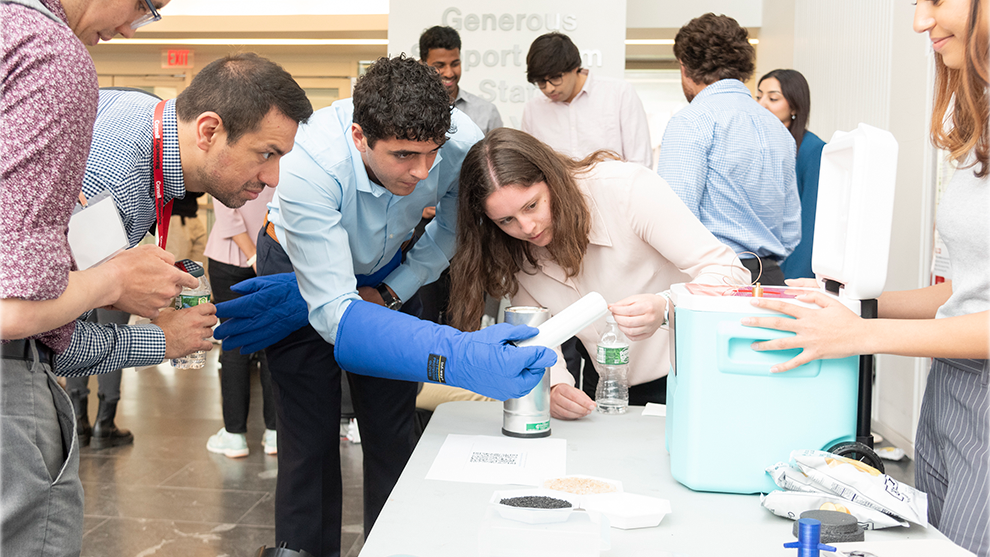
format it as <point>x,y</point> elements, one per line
<point>612,396</point>
<point>188,298</point>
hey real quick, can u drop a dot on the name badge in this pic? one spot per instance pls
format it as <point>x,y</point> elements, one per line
<point>96,232</point>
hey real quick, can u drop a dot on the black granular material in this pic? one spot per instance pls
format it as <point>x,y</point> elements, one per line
<point>536,502</point>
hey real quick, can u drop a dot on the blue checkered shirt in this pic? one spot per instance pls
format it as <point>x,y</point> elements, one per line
<point>120,161</point>
<point>732,163</point>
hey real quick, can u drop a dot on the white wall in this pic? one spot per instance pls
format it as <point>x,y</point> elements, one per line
<point>495,38</point>
<point>776,48</point>
<point>673,14</point>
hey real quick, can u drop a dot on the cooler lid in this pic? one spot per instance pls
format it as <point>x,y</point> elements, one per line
<point>855,210</point>
<point>738,298</point>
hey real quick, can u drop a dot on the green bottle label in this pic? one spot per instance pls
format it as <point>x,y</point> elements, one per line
<point>613,356</point>
<point>183,301</point>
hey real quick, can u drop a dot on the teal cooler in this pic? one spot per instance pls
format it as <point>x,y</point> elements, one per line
<point>728,417</point>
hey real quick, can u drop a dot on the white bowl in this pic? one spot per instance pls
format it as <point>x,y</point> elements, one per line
<point>534,516</point>
<point>628,510</point>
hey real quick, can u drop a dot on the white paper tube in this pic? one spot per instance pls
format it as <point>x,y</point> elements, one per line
<point>569,322</point>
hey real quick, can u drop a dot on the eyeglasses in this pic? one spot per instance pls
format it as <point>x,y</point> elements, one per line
<point>554,80</point>
<point>150,17</point>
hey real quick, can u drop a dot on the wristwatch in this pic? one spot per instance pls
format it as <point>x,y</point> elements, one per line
<point>391,302</point>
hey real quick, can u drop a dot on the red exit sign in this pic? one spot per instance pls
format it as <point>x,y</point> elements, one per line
<point>177,58</point>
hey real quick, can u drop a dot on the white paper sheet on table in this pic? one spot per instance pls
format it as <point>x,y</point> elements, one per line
<point>499,460</point>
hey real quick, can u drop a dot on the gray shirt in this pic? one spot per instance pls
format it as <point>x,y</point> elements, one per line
<point>479,110</point>
<point>963,225</point>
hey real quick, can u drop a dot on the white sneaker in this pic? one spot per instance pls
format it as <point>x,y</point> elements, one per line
<point>353,433</point>
<point>270,441</point>
<point>231,445</point>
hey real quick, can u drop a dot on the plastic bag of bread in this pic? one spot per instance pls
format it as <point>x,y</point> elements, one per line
<point>790,504</point>
<point>860,483</point>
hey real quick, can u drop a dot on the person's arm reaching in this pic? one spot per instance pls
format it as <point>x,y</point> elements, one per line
<point>922,303</point>
<point>833,331</point>
<point>379,342</point>
<point>101,348</point>
<point>140,280</point>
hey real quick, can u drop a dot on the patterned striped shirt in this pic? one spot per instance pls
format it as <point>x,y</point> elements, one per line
<point>732,163</point>
<point>120,161</point>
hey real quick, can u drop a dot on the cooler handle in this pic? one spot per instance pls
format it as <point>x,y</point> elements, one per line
<point>734,355</point>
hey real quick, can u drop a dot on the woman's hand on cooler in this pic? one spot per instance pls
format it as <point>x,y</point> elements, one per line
<point>829,332</point>
<point>803,283</point>
<point>569,403</point>
<point>639,316</point>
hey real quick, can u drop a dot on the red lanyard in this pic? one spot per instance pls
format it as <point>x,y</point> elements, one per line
<point>164,210</point>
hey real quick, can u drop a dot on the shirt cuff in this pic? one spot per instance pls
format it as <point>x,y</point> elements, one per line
<point>147,345</point>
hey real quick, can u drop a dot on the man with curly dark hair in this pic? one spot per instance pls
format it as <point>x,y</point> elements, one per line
<point>349,196</point>
<point>731,163</point>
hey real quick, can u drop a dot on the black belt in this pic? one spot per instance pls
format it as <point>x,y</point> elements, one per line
<point>21,350</point>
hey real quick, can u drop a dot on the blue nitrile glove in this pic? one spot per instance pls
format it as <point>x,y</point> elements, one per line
<point>379,342</point>
<point>269,309</point>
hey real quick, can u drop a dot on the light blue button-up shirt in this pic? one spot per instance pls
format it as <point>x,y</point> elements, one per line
<point>334,223</point>
<point>732,163</point>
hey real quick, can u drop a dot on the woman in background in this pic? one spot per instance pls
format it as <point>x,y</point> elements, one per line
<point>949,322</point>
<point>785,93</point>
<point>545,230</point>
<point>232,251</point>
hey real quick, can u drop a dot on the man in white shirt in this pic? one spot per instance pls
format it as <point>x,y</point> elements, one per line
<point>580,112</point>
<point>440,48</point>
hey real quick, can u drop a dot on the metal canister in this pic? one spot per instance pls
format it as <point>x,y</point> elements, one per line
<point>529,416</point>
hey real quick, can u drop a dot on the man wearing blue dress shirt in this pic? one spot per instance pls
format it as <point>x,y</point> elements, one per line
<point>731,163</point>
<point>350,194</point>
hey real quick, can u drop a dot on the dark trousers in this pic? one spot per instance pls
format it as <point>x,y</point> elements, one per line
<point>771,275</point>
<point>109,383</point>
<point>235,368</point>
<point>306,382</point>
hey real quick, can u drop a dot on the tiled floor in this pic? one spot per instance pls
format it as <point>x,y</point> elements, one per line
<point>166,495</point>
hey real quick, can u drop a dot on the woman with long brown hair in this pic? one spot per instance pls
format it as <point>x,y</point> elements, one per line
<point>545,230</point>
<point>949,322</point>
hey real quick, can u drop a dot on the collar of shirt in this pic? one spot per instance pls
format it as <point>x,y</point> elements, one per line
<point>720,87</point>
<point>588,87</point>
<point>56,8</point>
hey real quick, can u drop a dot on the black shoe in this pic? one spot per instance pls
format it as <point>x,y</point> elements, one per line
<point>83,429</point>
<point>105,432</point>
